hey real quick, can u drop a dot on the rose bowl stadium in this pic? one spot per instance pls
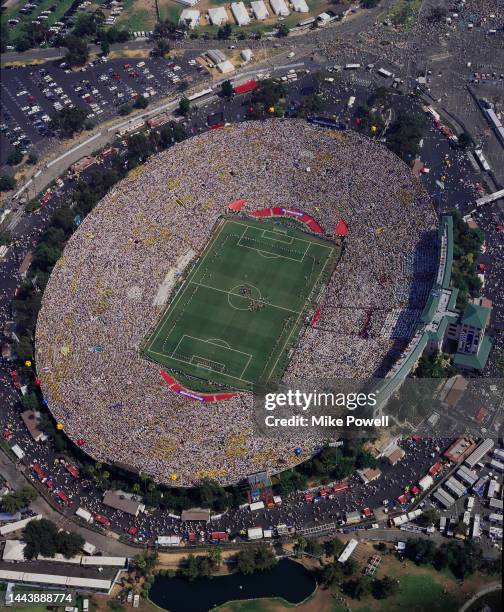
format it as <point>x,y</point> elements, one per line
<point>261,252</point>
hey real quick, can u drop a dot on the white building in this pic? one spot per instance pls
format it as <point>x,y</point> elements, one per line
<point>246,55</point>
<point>171,540</point>
<point>300,6</point>
<point>218,16</point>
<point>225,67</point>
<point>240,13</point>
<point>279,7</point>
<point>255,533</point>
<point>347,552</point>
<point>259,9</point>
<point>189,16</point>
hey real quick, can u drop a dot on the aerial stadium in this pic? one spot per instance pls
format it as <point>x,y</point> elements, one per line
<point>264,251</point>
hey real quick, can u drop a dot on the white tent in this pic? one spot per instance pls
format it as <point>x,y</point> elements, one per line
<point>218,16</point>
<point>279,8</point>
<point>14,550</point>
<point>240,13</point>
<point>259,9</point>
<point>225,67</point>
<point>191,16</point>
<point>300,6</point>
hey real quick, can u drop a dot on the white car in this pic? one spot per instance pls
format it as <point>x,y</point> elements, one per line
<point>21,93</point>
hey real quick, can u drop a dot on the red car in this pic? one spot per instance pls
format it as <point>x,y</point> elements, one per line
<point>102,520</point>
<point>39,472</point>
<point>72,470</point>
<point>64,499</point>
<point>132,531</point>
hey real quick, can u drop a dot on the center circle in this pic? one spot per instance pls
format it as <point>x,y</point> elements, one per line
<point>244,297</point>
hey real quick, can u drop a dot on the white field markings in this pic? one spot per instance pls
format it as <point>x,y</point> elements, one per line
<point>164,356</point>
<point>178,298</point>
<point>270,254</point>
<point>295,324</point>
<point>204,362</point>
<point>189,282</point>
<point>228,293</point>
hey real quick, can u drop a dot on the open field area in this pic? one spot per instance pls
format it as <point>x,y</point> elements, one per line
<point>138,15</point>
<point>421,588</point>
<point>240,308</point>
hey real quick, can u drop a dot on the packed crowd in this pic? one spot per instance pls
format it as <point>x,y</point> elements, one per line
<point>100,302</point>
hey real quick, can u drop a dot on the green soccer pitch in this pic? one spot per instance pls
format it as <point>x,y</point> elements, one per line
<point>239,311</point>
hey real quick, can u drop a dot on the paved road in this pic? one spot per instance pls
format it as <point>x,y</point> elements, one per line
<point>493,586</point>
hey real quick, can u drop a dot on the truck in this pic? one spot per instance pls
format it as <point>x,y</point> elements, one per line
<point>470,503</point>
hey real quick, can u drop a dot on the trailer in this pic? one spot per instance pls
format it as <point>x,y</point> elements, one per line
<point>476,529</point>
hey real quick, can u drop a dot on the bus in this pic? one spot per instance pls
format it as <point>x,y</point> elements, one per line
<point>199,94</point>
<point>476,530</point>
<point>137,125</point>
<point>384,73</point>
<point>352,66</point>
<point>442,524</point>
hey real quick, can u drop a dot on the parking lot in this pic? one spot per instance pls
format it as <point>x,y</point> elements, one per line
<point>32,94</point>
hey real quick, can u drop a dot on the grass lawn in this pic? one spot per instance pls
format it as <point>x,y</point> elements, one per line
<point>170,10</point>
<point>240,309</point>
<point>404,13</point>
<point>137,16</point>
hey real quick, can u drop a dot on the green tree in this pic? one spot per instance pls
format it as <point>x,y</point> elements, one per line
<point>227,89</point>
<point>215,556</point>
<point>310,105</point>
<point>191,571</point>
<point>404,135</point>
<point>369,4</point>
<point>330,574</point>
<point>12,502</point>
<point>141,102</point>
<point>314,547</point>
<point>138,147</point>
<point>385,587</point>
<point>184,106</point>
<point>465,140</point>
<point>40,539</point>
<point>165,29</point>
<point>77,50</point>
<point>282,30</point>
<point>357,588</point>
<point>334,547</point>
<point>162,47</point>
<point>264,557</point>
<point>7,182</point>
<point>30,401</point>
<point>105,47</point>
<point>69,544</point>
<point>171,133</point>
<point>15,157</point>
<point>4,36</point>
<point>246,561</point>
<point>68,121</point>
<point>224,32</point>
<point>32,159</point>
<point>300,545</point>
